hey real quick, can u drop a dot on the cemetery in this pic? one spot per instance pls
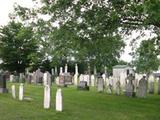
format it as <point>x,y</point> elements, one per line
<point>80,60</point>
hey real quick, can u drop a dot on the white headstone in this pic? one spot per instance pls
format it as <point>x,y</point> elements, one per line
<point>61,70</point>
<point>59,104</point>
<point>76,69</point>
<point>21,92</point>
<point>13,90</point>
<point>93,80</point>
<point>11,78</point>
<point>47,96</point>
<point>66,68</point>
<point>57,80</point>
<point>56,72</point>
<point>76,75</point>
<point>81,77</point>
<point>52,71</point>
<point>47,79</point>
<point>86,78</point>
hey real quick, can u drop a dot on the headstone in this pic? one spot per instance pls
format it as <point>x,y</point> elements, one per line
<point>68,79</point>
<point>75,79</point>
<point>29,78</point>
<point>61,71</point>
<point>66,69</point>
<point>47,79</point>
<point>93,80</point>
<point>21,78</point>
<point>110,89</point>
<point>12,78</point>
<point>110,85</point>
<point>38,76</point>
<point>52,71</point>
<point>59,102</point>
<point>56,71</point>
<point>3,88</point>
<point>142,89</point>
<point>57,80</point>
<point>100,84</point>
<point>81,77</point>
<point>47,96</point>
<point>118,87</point>
<point>159,86</point>
<point>21,92</point>
<point>83,86</point>
<point>151,84</point>
<point>129,90</point>
<point>86,78</point>
<point>76,75</point>
<point>13,90</point>
<point>151,87</point>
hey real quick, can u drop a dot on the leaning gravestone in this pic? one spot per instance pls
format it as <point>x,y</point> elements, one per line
<point>21,92</point>
<point>47,96</point>
<point>3,88</point>
<point>142,89</point>
<point>59,102</point>
<point>100,84</point>
<point>13,90</point>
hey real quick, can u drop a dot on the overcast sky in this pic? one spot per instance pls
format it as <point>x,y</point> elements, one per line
<point>6,7</point>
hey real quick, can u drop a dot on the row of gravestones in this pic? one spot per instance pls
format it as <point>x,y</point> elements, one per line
<point>47,96</point>
<point>35,77</point>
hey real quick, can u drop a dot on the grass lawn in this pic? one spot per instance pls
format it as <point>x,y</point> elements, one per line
<point>78,105</point>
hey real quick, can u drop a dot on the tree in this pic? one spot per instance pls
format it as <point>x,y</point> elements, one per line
<point>17,47</point>
<point>146,59</point>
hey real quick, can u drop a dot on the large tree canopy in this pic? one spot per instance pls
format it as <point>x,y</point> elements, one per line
<point>89,30</point>
<point>17,47</point>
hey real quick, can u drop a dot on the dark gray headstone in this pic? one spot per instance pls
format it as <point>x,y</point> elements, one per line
<point>3,88</point>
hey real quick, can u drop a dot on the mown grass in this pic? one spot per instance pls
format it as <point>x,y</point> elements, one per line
<point>78,105</point>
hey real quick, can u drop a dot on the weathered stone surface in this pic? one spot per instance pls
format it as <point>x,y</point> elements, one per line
<point>129,89</point>
<point>21,92</point>
<point>3,88</point>
<point>142,89</point>
<point>47,96</point>
<point>47,79</point>
<point>59,101</point>
<point>100,84</point>
<point>118,87</point>
<point>13,90</point>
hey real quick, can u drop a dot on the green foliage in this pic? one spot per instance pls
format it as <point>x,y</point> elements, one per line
<point>16,46</point>
<point>146,59</point>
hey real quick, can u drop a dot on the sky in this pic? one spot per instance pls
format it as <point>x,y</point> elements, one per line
<point>6,7</point>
